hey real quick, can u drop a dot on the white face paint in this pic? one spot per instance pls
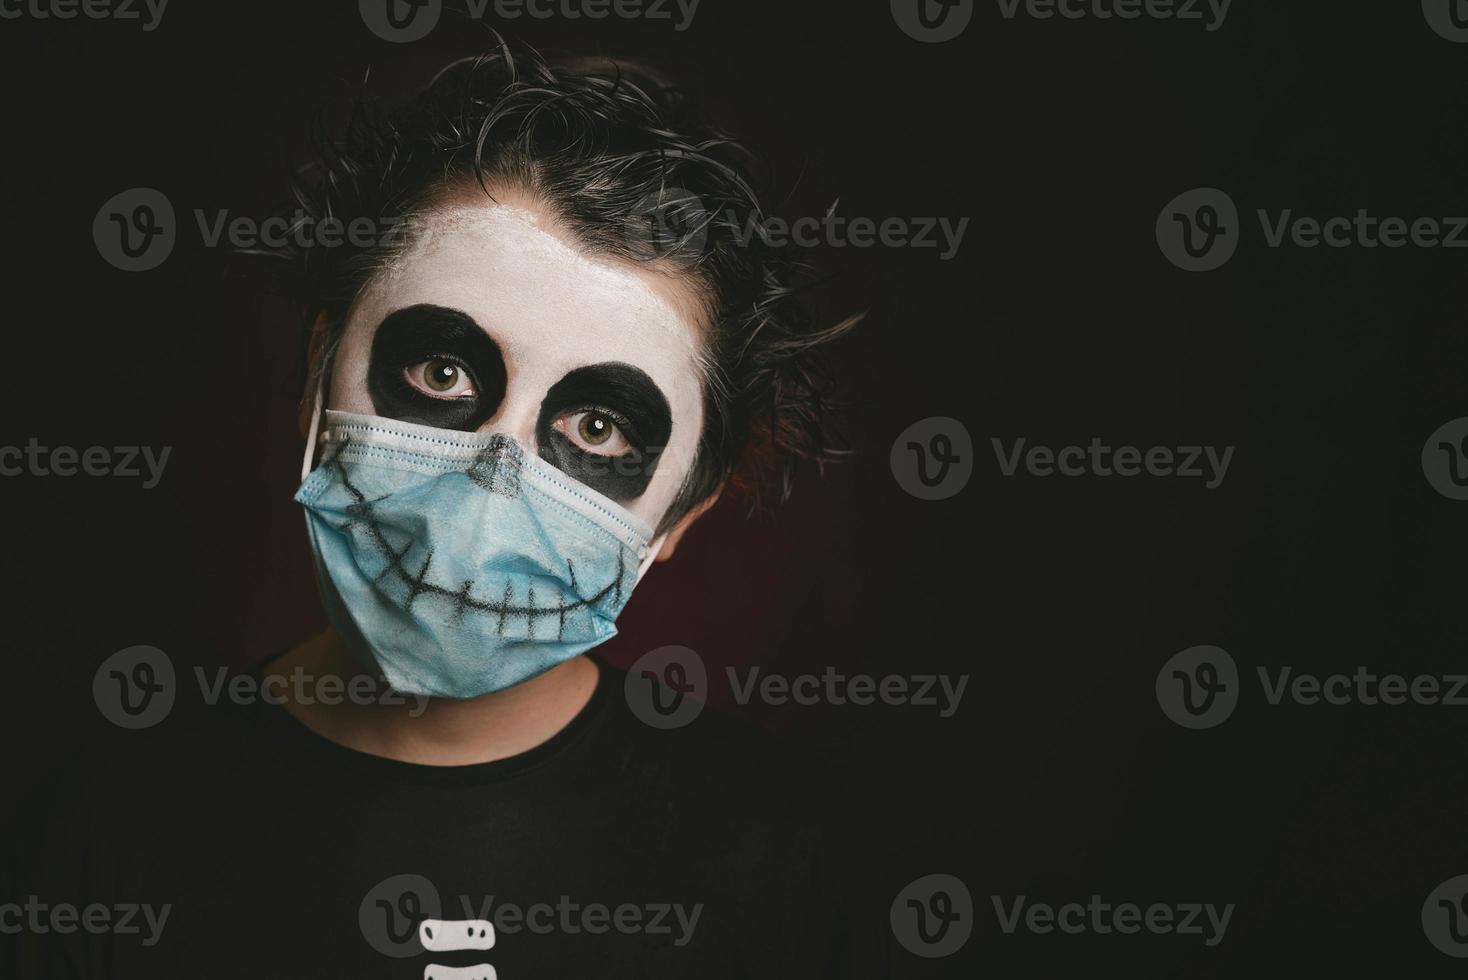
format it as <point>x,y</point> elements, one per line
<point>551,309</point>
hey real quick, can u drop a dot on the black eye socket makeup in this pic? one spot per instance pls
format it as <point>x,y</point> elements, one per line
<point>449,351</point>
<point>591,399</point>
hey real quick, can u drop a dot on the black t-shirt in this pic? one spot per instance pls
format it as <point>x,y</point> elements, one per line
<point>248,846</point>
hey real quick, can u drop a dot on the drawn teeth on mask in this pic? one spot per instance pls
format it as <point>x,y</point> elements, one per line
<point>462,599</point>
<point>418,585</point>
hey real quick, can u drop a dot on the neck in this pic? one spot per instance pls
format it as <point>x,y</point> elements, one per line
<point>427,731</point>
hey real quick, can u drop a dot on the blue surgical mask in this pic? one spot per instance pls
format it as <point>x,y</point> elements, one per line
<point>460,562</point>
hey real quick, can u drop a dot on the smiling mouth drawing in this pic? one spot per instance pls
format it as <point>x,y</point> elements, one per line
<point>495,471</point>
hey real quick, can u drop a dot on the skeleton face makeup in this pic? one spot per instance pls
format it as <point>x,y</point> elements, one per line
<point>492,321</point>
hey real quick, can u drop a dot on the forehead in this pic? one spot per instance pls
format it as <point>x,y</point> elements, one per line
<point>550,306</point>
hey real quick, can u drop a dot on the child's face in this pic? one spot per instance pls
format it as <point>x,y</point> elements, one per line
<point>491,320</point>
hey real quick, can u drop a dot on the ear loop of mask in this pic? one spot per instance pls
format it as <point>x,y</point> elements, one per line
<point>314,429</point>
<point>650,556</point>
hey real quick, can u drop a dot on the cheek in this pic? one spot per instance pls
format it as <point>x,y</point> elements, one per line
<point>348,383</point>
<point>674,465</point>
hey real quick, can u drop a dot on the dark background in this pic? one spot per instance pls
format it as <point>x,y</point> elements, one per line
<point>1059,320</point>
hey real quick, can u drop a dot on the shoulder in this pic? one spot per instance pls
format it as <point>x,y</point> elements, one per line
<point>151,777</point>
<point>708,761</point>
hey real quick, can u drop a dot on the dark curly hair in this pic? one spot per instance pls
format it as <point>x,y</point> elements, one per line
<point>625,164</point>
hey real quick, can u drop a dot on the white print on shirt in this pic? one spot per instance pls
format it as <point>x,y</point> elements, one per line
<point>439,935</point>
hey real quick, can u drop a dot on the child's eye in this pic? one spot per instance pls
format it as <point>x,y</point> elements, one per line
<point>594,431</point>
<point>440,377</point>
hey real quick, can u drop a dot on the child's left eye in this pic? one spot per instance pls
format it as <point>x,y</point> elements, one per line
<point>593,431</point>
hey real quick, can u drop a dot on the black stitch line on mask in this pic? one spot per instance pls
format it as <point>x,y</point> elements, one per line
<point>463,598</point>
<point>398,554</point>
<point>416,587</point>
<point>571,569</point>
<point>364,509</point>
<point>530,619</point>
